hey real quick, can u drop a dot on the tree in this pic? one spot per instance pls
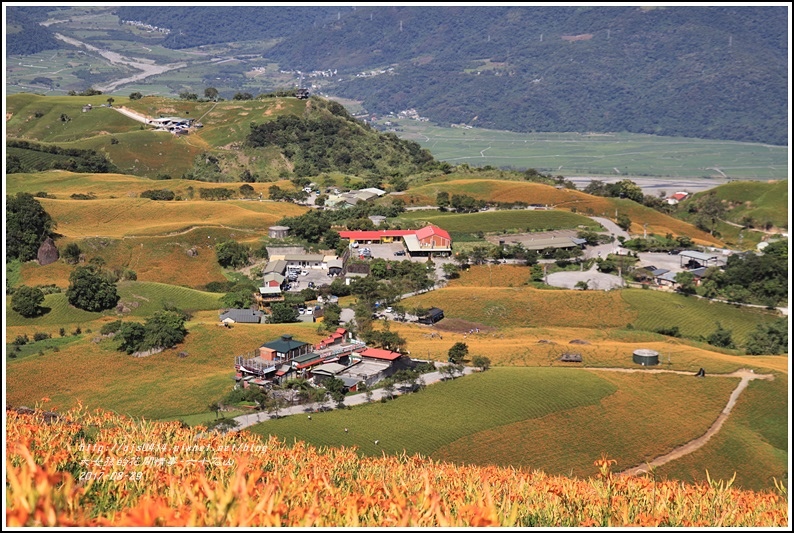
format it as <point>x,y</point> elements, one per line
<point>282,313</point>
<point>481,362</point>
<point>721,337</point>
<point>769,339</point>
<point>110,101</point>
<point>211,93</point>
<point>709,210</point>
<point>450,270</point>
<point>336,388</point>
<point>581,285</point>
<point>164,329</point>
<point>458,352</point>
<point>686,282</point>
<point>130,337</point>
<point>136,96</point>
<point>27,226</point>
<point>442,199</point>
<point>243,96</point>
<point>27,301</point>
<point>246,190</point>
<point>232,254</point>
<point>623,221</point>
<point>89,290</point>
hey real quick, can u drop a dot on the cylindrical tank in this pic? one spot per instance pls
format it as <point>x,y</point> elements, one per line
<point>646,357</point>
<point>278,232</point>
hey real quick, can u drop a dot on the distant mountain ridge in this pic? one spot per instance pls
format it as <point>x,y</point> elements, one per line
<point>715,72</point>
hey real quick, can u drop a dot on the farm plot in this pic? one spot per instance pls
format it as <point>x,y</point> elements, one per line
<point>140,216</point>
<point>693,316</point>
<point>752,443</point>
<point>159,386</point>
<point>525,306</point>
<point>442,413</point>
<point>497,221</point>
<point>599,154</point>
<point>544,347</point>
<point>647,416</point>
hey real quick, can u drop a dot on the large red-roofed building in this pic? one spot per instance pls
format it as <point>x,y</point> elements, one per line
<point>423,242</point>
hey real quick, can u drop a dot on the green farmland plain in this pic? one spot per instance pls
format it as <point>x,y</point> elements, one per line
<point>499,221</point>
<point>604,154</point>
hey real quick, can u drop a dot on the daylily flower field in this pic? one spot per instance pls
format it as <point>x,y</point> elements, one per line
<point>96,468</point>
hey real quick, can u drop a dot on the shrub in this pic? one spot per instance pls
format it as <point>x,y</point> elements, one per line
<point>40,336</point>
<point>158,194</point>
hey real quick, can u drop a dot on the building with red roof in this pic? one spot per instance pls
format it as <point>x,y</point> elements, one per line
<point>420,243</point>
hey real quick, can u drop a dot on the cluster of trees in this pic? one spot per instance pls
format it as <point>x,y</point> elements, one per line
<point>30,37</point>
<point>232,254</point>
<point>27,226</point>
<point>164,329</point>
<point>27,301</point>
<point>91,289</point>
<point>22,156</point>
<point>329,139</point>
<point>158,194</point>
<point>220,193</point>
<point>749,278</point>
<point>460,203</point>
<point>277,194</point>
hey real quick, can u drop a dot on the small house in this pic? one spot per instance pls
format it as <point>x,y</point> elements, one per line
<point>241,316</point>
<point>284,349</point>
<point>434,314</point>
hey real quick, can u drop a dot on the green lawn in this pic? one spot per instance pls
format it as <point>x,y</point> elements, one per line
<point>152,296</point>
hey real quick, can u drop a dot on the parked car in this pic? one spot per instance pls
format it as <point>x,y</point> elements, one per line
<point>399,252</point>
<point>389,309</point>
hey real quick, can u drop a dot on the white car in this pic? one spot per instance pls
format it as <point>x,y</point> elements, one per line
<point>389,309</point>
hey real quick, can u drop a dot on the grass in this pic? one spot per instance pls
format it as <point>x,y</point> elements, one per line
<point>60,314</point>
<point>144,298</point>
<point>599,154</point>
<point>525,306</point>
<point>127,217</point>
<point>156,387</point>
<point>44,345</point>
<point>442,413</point>
<point>761,201</point>
<point>569,441</point>
<point>693,316</point>
<point>752,443</point>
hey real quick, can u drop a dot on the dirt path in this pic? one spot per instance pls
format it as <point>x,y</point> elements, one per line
<point>745,375</point>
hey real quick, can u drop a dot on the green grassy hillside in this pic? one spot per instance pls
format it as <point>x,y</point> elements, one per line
<point>757,203</point>
<point>318,136</point>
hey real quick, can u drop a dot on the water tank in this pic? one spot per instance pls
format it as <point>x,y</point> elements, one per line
<point>646,357</point>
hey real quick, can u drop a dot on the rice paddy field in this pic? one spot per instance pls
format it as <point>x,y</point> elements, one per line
<point>599,154</point>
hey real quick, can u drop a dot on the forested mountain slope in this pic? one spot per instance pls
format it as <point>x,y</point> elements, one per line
<point>710,72</point>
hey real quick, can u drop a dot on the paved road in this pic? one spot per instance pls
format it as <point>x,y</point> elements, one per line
<point>245,421</point>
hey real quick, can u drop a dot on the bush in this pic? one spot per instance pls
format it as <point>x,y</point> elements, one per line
<point>40,336</point>
<point>21,340</point>
<point>111,327</point>
<point>158,194</point>
<point>27,301</point>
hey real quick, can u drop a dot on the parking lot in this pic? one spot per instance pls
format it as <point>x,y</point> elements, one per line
<point>384,251</point>
<point>313,275</point>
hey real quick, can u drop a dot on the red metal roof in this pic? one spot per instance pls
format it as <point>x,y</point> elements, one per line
<point>431,230</point>
<point>378,353</point>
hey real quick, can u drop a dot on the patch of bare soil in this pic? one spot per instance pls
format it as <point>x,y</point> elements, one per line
<point>458,325</point>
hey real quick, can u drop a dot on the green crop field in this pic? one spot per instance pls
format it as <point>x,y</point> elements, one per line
<point>517,417</point>
<point>693,316</point>
<point>585,154</point>
<point>753,443</point>
<point>151,297</point>
<point>649,415</point>
<point>762,202</point>
<point>445,412</point>
<point>60,314</point>
<point>498,221</point>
